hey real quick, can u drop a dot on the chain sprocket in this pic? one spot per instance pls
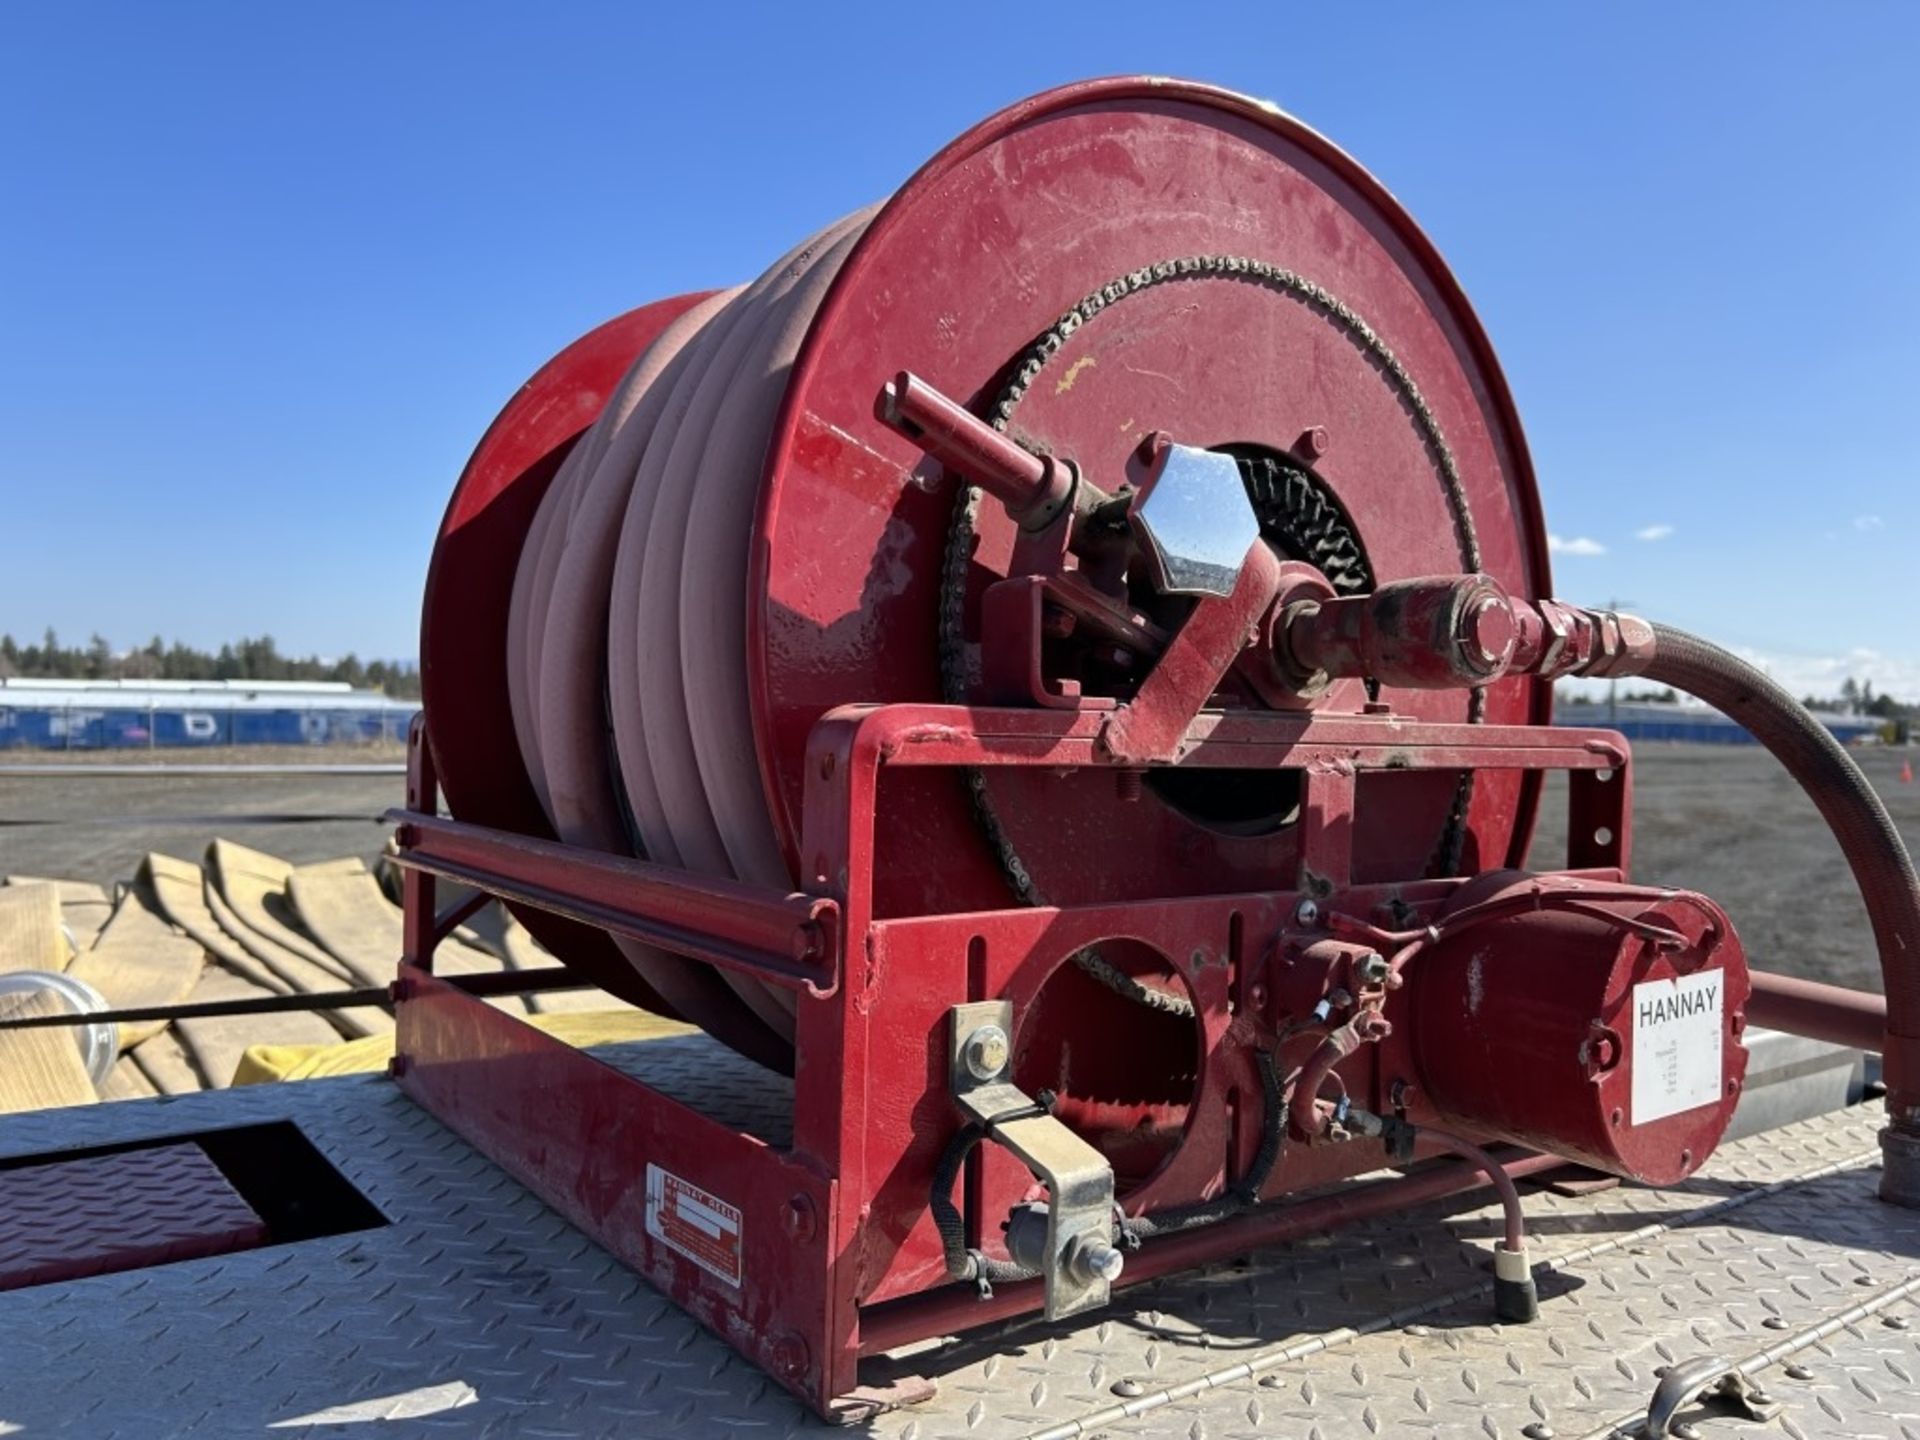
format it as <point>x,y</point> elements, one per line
<point>1304,520</point>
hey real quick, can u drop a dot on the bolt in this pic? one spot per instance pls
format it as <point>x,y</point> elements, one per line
<point>1257,996</point>
<point>1685,1430</point>
<point>397,1067</point>
<point>1401,1095</point>
<point>1119,657</point>
<point>1127,784</point>
<point>1538,1430</point>
<point>986,1052</point>
<point>1057,624</point>
<point>788,1357</point>
<point>1128,1389</point>
<point>398,990</point>
<point>1371,968</point>
<point>1797,1371</point>
<point>799,1218</point>
<point>1775,1322</point>
<point>1093,1259</point>
<point>1895,1322</point>
<point>1489,632</point>
<point>1306,913</point>
<point>1312,443</point>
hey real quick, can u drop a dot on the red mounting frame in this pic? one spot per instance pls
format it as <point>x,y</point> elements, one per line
<point>830,1252</point>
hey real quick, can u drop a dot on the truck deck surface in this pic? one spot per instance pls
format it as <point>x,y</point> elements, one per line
<point>478,1311</point>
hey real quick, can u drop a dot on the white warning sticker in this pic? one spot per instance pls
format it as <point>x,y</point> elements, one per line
<point>1677,1038</point>
<point>700,1226</point>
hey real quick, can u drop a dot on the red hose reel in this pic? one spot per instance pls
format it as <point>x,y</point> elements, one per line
<point>1059,665</point>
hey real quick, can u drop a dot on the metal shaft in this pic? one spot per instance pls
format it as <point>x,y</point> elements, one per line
<point>1034,488</point>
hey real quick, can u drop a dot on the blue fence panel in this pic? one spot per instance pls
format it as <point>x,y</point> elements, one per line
<point>107,728</point>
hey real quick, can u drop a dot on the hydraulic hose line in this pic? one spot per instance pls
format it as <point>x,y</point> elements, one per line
<point>1868,839</point>
<point>1515,1297</point>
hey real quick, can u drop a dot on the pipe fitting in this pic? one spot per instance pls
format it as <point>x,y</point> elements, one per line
<point>1516,1299</point>
<point>1900,1166</point>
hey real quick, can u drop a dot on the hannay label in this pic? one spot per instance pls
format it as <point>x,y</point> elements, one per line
<point>702,1227</point>
<point>1677,1038</point>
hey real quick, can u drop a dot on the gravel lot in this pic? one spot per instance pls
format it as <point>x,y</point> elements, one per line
<point>1725,820</point>
<point>98,826</point>
<point>1720,819</point>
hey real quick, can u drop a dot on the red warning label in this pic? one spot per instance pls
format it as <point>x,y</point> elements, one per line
<point>702,1227</point>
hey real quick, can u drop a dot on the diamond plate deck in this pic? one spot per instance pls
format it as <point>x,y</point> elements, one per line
<point>478,1312</point>
<point>118,1212</point>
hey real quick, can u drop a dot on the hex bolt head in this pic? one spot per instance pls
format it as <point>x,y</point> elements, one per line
<point>1313,443</point>
<point>1094,1259</point>
<point>1306,913</point>
<point>986,1052</point>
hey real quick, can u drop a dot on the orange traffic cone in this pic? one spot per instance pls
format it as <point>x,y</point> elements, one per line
<point>1906,772</point>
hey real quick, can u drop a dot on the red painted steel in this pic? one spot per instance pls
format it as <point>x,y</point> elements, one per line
<point>871,1113</point>
<point>1099,725</point>
<point>954,277</point>
<point>66,1219</point>
<point>953,1310</point>
<point>1545,989</point>
<point>787,940</point>
<point>1825,1012</point>
<point>583,1136</point>
<point>463,622</point>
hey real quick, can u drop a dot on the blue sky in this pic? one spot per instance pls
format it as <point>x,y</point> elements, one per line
<point>266,272</point>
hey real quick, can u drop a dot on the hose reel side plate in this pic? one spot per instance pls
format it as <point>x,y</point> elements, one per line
<point>982,252</point>
<point>463,658</point>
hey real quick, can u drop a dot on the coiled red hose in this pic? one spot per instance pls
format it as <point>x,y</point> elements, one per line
<point>1859,822</point>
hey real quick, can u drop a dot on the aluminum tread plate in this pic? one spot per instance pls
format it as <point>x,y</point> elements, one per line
<point>479,1312</point>
<point>118,1212</point>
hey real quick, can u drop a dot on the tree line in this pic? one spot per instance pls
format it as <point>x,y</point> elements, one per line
<point>245,659</point>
